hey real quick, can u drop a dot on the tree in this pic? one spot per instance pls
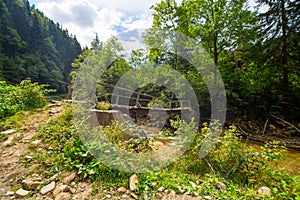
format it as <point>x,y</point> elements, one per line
<point>219,24</point>
<point>278,23</point>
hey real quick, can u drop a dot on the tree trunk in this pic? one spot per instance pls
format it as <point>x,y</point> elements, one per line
<point>284,46</point>
<point>215,57</point>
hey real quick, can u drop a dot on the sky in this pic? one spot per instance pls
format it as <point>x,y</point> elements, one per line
<point>85,18</point>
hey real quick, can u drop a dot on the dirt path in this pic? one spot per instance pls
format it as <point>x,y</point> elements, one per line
<point>12,150</point>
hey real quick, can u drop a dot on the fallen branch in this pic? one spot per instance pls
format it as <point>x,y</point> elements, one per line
<point>292,125</point>
<point>211,168</point>
<point>265,126</point>
<point>243,130</point>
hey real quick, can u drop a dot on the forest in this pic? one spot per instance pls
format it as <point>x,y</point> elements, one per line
<point>240,61</point>
<point>33,46</point>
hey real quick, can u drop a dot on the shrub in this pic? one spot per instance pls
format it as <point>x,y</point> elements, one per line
<point>103,105</point>
<point>25,96</point>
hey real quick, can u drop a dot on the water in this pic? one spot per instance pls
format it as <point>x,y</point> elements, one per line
<point>291,157</point>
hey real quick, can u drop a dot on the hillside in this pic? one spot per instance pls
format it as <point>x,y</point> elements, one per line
<point>33,46</point>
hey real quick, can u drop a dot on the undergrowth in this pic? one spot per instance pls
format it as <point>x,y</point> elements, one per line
<point>230,162</point>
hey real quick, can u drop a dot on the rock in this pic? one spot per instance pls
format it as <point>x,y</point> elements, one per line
<point>8,177</point>
<point>132,182</point>
<point>180,189</point>
<point>36,142</point>
<point>8,141</point>
<point>154,184</point>
<point>59,189</point>
<point>264,191</point>
<point>38,179</point>
<point>48,188</point>
<point>193,184</point>
<point>108,196</point>
<point>63,196</point>
<point>9,193</point>
<point>28,158</point>
<point>122,189</point>
<point>220,186</point>
<point>68,179</point>
<point>207,197</point>
<point>124,196</point>
<point>187,197</point>
<point>31,185</point>
<point>82,185</point>
<point>2,191</point>
<point>171,195</point>
<point>134,196</point>
<point>72,190</point>
<point>8,132</point>
<point>86,194</point>
<point>158,196</point>
<point>21,193</point>
<point>161,189</point>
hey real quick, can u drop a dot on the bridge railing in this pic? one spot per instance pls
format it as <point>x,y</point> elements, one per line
<point>141,100</point>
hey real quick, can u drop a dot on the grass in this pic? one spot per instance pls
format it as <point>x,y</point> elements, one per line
<point>61,150</point>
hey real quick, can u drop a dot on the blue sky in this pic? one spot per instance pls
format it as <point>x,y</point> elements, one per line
<point>85,18</point>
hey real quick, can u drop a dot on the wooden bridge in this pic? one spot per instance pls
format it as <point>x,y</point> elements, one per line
<point>137,105</point>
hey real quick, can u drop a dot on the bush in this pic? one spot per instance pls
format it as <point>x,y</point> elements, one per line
<point>103,105</point>
<point>25,96</point>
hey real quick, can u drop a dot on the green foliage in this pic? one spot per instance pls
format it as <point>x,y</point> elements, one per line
<point>25,96</point>
<point>33,46</point>
<point>229,162</point>
<point>103,105</point>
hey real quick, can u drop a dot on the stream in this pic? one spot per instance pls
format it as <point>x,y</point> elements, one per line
<point>291,157</point>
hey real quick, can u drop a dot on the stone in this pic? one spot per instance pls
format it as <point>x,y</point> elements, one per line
<point>28,158</point>
<point>124,196</point>
<point>59,189</point>
<point>132,182</point>
<point>122,189</point>
<point>72,190</point>
<point>187,197</point>
<point>154,184</point>
<point>180,189</point>
<point>68,179</point>
<point>158,196</point>
<point>220,186</point>
<point>207,197</point>
<point>48,188</point>
<point>86,194</point>
<point>161,189</point>
<point>8,177</point>
<point>108,196</point>
<point>36,142</point>
<point>31,185</point>
<point>171,195</point>
<point>2,191</point>
<point>82,185</point>
<point>8,132</point>
<point>63,196</point>
<point>134,196</point>
<point>8,141</point>
<point>9,193</point>
<point>264,191</point>
<point>193,184</point>
<point>22,193</point>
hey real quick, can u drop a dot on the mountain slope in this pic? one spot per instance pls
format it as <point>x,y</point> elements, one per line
<point>33,46</point>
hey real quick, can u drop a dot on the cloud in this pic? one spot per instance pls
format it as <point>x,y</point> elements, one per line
<point>85,18</point>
